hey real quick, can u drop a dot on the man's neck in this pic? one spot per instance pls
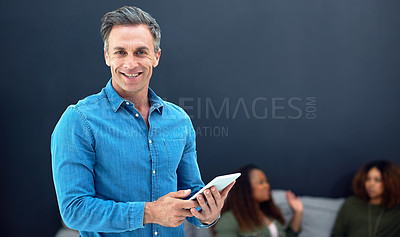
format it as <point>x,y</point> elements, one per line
<point>142,104</point>
<point>139,99</point>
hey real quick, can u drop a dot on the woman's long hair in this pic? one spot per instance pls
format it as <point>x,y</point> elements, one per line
<point>390,178</point>
<point>241,202</point>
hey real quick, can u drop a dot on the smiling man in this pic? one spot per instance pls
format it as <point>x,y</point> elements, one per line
<point>124,161</point>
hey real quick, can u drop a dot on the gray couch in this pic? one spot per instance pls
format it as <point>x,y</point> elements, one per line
<point>318,217</point>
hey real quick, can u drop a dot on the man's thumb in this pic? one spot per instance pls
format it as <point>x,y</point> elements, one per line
<point>180,193</point>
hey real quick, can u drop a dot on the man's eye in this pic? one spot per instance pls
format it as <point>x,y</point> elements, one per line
<point>140,52</point>
<point>121,52</point>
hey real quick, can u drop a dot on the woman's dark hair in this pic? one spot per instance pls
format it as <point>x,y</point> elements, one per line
<point>391,182</point>
<point>241,202</point>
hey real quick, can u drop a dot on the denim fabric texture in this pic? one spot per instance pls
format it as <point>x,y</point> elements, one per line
<point>107,163</point>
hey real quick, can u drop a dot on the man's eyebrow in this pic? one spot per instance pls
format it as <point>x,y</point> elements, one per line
<point>119,48</point>
<point>142,48</point>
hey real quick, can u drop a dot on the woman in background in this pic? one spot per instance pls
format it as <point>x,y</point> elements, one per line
<point>250,211</point>
<point>374,210</point>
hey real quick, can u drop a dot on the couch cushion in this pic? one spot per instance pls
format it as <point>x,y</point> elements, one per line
<point>319,213</point>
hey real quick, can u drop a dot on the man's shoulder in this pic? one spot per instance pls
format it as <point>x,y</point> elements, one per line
<point>168,107</point>
<point>91,101</point>
<point>172,108</point>
<point>90,105</point>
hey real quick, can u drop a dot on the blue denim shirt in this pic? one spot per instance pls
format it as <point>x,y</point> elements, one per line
<point>107,163</point>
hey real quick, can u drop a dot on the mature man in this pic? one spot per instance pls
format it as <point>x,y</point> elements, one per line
<point>124,161</point>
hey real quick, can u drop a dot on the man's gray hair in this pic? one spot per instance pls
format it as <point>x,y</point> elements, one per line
<point>129,15</point>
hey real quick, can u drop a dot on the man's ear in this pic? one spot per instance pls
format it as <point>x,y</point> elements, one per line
<point>157,58</point>
<point>106,57</point>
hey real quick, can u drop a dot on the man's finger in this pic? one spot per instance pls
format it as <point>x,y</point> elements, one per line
<point>210,198</point>
<point>179,194</point>
<point>184,213</point>
<point>215,192</point>
<point>217,196</point>
<point>195,213</point>
<point>226,190</point>
<point>187,204</point>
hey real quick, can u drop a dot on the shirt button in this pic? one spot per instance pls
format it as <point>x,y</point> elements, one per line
<point>155,233</point>
<point>154,171</point>
<point>127,103</point>
<point>150,141</point>
<point>137,115</point>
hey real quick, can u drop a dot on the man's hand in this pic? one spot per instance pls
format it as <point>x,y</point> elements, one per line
<point>211,203</point>
<point>169,210</point>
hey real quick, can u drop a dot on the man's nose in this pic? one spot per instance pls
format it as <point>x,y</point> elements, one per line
<point>130,62</point>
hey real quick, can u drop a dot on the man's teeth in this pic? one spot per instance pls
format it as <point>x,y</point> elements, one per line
<point>132,75</point>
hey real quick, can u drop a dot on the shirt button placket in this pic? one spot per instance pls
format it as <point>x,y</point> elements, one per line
<point>153,172</point>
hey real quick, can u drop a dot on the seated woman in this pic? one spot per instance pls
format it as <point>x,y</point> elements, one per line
<point>375,208</point>
<point>250,211</point>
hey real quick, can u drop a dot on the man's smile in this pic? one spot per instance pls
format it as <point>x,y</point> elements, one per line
<point>131,75</point>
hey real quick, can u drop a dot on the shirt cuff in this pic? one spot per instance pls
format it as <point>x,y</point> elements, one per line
<point>136,213</point>
<point>197,222</point>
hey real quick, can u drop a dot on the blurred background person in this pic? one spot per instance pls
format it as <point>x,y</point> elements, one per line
<point>374,210</point>
<point>249,209</point>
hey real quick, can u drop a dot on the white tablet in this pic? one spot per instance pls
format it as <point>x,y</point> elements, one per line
<point>220,182</point>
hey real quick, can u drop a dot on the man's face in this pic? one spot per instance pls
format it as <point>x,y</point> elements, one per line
<point>131,58</point>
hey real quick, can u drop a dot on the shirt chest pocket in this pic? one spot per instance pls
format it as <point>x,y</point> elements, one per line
<point>174,148</point>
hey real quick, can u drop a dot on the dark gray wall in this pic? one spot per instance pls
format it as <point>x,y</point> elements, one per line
<point>307,90</point>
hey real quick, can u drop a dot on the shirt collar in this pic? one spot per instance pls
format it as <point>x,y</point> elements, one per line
<point>156,102</point>
<point>116,100</point>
